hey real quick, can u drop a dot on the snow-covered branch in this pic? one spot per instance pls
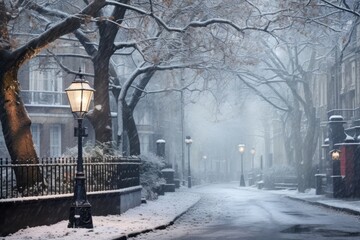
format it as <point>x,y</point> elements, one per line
<point>68,25</point>
<point>345,8</point>
<point>192,24</point>
<point>260,94</point>
<point>65,68</point>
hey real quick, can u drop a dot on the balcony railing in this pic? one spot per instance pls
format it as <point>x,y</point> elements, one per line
<point>44,98</point>
<point>58,176</point>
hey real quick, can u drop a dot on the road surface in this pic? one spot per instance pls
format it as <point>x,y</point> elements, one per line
<point>227,211</point>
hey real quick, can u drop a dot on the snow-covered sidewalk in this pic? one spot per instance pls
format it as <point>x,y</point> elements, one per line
<point>351,206</point>
<point>159,214</point>
<point>148,216</point>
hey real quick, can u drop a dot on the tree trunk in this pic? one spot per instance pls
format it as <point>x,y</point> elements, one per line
<point>101,119</point>
<point>14,118</point>
<point>129,125</point>
<point>16,128</point>
<point>309,146</point>
<point>131,130</point>
<point>297,143</point>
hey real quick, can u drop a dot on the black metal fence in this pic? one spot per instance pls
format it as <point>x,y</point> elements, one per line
<point>58,174</point>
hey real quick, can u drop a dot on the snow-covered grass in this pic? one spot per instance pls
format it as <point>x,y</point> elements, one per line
<point>151,215</point>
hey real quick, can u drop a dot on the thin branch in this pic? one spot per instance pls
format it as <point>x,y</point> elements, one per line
<point>262,95</point>
<point>65,68</point>
<point>341,8</point>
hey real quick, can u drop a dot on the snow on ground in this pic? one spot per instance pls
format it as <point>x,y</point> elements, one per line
<point>146,216</point>
<point>155,214</point>
<point>310,196</point>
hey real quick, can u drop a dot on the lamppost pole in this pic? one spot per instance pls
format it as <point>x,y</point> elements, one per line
<point>80,94</point>
<point>188,142</point>
<point>80,166</point>
<point>182,135</point>
<point>241,150</point>
<point>252,167</point>
<point>205,170</point>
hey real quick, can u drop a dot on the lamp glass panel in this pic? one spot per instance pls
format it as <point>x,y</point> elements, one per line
<point>79,94</point>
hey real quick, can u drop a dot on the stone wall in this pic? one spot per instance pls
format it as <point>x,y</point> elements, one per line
<point>18,213</point>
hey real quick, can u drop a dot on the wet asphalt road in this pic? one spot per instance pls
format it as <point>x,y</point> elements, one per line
<point>227,211</point>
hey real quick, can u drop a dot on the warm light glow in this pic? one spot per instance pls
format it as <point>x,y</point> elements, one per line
<point>335,154</point>
<point>79,94</point>
<point>253,151</point>
<point>241,148</point>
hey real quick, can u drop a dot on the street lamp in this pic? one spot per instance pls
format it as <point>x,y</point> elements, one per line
<point>252,166</point>
<point>242,150</point>
<point>79,94</point>
<point>188,142</point>
<point>253,156</point>
<point>335,154</point>
<point>336,175</point>
<point>205,166</point>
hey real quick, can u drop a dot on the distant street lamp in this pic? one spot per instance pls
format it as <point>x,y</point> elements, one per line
<point>205,166</point>
<point>252,159</point>
<point>188,142</point>
<point>242,150</point>
<point>252,166</point>
<point>80,94</point>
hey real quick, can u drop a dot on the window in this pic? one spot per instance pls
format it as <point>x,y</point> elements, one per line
<point>35,131</point>
<point>353,73</point>
<point>343,80</point>
<point>45,82</point>
<point>142,117</point>
<point>55,140</point>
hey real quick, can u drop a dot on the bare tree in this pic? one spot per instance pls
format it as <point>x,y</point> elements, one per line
<point>14,118</point>
<point>166,35</point>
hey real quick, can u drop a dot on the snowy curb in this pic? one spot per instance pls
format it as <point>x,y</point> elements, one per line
<point>153,215</point>
<point>160,227</point>
<point>327,205</point>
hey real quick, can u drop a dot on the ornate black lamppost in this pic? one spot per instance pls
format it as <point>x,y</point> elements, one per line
<point>242,150</point>
<point>80,94</point>
<point>188,142</point>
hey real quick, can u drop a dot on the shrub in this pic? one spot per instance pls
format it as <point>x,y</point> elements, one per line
<point>97,151</point>
<point>150,168</point>
<point>150,175</point>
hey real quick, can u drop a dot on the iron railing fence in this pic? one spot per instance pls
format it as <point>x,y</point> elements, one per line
<point>58,174</point>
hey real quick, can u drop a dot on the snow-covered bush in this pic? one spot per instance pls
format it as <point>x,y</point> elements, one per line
<point>277,173</point>
<point>97,151</point>
<point>150,175</point>
<point>150,168</point>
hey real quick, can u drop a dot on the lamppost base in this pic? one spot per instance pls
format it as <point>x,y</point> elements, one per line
<point>189,182</point>
<point>80,216</point>
<point>80,209</point>
<point>338,190</point>
<point>242,181</point>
